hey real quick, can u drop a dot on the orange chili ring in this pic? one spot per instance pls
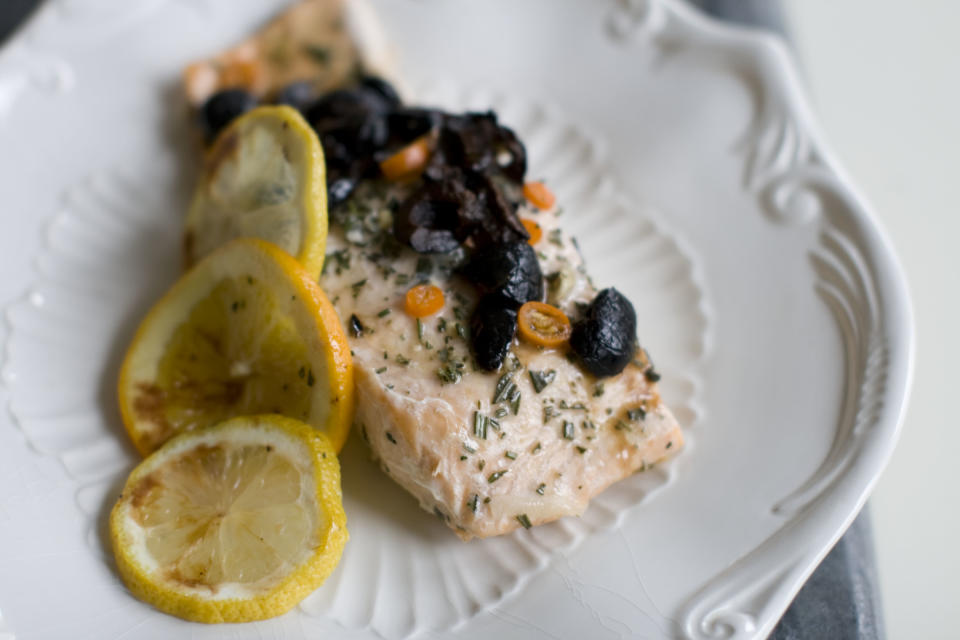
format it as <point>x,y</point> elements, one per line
<point>543,324</point>
<point>408,161</point>
<point>423,300</point>
<point>539,195</point>
<point>534,229</point>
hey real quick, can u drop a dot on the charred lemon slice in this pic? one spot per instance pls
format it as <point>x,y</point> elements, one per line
<point>232,523</point>
<point>263,177</point>
<point>246,331</point>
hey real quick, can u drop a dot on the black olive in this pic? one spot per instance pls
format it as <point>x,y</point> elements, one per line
<point>515,164</point>
<point>492,328</point>
<point>407,124</point>
<point>383,90</point>
<point>299,95</point>
<point>605,339</point>
<point>428,220</point>
<point>222,107</point>
<point>509,272</point>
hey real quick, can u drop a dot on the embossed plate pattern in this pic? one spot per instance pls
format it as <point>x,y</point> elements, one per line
<point>692,173</point>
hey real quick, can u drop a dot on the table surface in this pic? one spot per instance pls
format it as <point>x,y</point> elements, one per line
<point>884,80</point>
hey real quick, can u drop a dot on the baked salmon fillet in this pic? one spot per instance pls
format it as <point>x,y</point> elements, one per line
<point>485,451</point>
<point>494,382</point>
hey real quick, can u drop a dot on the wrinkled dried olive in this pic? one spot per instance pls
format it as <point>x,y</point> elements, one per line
<point>383,90</point>
<point>492,328</point>
<point>299,95</point>
<point>476,142</point>
<point>407,124</point>
<point>605,339</point>
<point>508,272</point>
<point>430,219</point>
<point>222,107</point>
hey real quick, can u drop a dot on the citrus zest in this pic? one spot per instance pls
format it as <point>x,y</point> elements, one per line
<point>408,161</point>
<point>543,324</point>
<point>423,300</point>
<point>538,194</point>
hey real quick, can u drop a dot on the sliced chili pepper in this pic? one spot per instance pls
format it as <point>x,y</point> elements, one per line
<point>408,161</point>
<point>424,300</point>
<point>543,324</point>
<point>539,195</point>
<point>534,229</point>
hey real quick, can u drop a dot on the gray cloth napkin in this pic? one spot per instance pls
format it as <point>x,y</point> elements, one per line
<point>841,599</point>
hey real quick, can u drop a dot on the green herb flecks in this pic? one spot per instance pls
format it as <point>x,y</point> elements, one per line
<point>472,503</point>
<point>479,425</point>
<point>320,54</point>
<point>542,379</point>
<point>496,475</point>
<point>450,373</point>
<point>636,414</point>
<point>567,430</point>
<point>383,313</point>
<point>357,286</point>
<point>542,488</point>
<point>598,390</point>
<point>510,454</point>
<point>391,438</point>
<point>524,521</point>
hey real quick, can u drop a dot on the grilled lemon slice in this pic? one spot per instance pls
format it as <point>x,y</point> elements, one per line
<point>263,177</point>
<point>246,331</point>
<point>236,522</point>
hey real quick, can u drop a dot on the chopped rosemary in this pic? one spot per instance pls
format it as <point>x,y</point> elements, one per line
<point>669,444</point>
<point>598,390</point>
<point>513,456</point>
<point>402,360</point>
<point>468,448</point>
<point>310,378</point>
<point>524,521</point>
<point>535,448</point>
<point>502,389</point>
<point>556,237</point>
<point>636,414</point>
<point>377,371</point>
<point>568,430</point>
<point>481,464</point>
<point>500,412</point>
<point>622,426</point>
<point>420,329</point>
<point>357,286</point>
<point>451,372</point>
<point>383,313</point>
<point>496,475</point>
<point>583,450</point>
<point>403,278</point>
<point>472,503</point>
<point>486,500</point>
<point>479,425</point>
<point>541,379</point>
<point>391,438</point>
<point>514,399</point>
<point>461,331</point>
<point>541,488</point>
<point>651,375</point>
<point>463,457</point>
<point>442,325</point>
<point>318,53</point>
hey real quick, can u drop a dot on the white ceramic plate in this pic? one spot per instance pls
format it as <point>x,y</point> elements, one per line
<point>690,168</point>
